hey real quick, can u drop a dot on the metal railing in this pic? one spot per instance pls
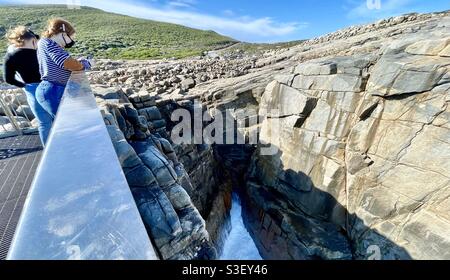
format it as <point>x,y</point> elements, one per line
<point>80,205</point>
<point>18,123</point>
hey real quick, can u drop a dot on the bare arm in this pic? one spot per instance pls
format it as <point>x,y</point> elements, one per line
<point>72,64</point>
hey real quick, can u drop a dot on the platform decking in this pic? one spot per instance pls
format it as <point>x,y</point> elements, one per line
<point>19,158</point>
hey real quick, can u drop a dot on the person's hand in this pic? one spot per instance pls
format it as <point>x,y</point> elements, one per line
<point>86,64</point>
<point>91,61</point>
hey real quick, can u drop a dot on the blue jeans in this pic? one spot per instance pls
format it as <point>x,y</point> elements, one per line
<point>49,96</point>
<point>43,118</point>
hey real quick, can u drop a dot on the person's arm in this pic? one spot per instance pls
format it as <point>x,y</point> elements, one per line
<point>72,64</point>
<point>63,59</point>
<point>9,73</point>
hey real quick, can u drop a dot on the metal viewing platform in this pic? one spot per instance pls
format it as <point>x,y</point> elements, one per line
<point>79,205</point>
<point>19,158</point>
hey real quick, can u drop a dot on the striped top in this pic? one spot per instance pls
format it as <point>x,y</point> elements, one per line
<point>51,59</point>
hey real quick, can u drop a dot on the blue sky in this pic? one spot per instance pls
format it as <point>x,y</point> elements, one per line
<point>261,20</point>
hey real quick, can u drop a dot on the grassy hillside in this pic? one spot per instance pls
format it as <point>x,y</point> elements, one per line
<point>108,35</point>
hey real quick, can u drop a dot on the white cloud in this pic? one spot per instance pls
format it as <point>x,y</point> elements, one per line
<point>241,28</point>
<point>182,3</point>
<point>237,27</point>
<point>229,13</point>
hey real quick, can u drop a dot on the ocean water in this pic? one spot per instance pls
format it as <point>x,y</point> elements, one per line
<point>239,245</point>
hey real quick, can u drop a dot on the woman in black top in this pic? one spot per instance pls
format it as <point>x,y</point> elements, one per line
<point>23,61</point>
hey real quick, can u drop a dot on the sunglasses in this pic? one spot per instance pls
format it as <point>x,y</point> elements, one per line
<point>33,34</point>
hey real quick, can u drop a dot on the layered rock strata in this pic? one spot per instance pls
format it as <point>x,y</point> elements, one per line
<point>361,166</point>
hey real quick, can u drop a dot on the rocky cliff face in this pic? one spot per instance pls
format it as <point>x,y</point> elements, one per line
<point>362,163</point>
<point>362,169</point>
<point>158,180</point>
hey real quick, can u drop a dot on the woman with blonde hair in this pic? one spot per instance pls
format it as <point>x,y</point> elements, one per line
<point>21,69</point>
<point>56,64</point>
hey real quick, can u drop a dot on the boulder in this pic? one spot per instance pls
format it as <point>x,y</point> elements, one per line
<point>151,113</point>
<point>4,120</point>
<point>311,69</point>
<point>25,111</point>
<point>107,92</point>
<point>429,47</point>
<point>338,82</point>
<point>400,74</point>
<point>287,101</point>
<point>187,84</point>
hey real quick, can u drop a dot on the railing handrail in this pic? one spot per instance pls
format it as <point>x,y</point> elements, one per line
<point>10,116</point>
<point>80,205</point>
